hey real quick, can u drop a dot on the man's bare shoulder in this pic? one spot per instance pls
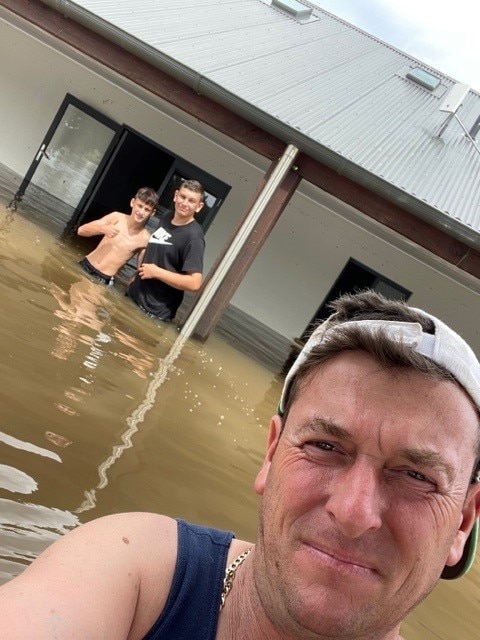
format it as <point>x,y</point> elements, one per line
<point>118,567</point>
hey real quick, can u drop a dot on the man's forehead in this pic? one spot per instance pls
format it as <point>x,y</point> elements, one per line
<point>352,388</point>
<point>352,371</point>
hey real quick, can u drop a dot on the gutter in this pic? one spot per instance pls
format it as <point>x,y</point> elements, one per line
<point>202,85</point>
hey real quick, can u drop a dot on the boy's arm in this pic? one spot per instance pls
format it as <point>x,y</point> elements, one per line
<point>106,226</point>
<point>140,257</point>
<point>107,579</point>
<point>183,281</point>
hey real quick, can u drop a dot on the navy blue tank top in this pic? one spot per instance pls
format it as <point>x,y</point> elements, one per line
<point>193,604</point>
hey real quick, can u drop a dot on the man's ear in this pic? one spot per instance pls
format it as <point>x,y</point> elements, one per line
<point>132,202</point>
<point>199,207</point>
<point>274,431</point>
<point>470,513</point>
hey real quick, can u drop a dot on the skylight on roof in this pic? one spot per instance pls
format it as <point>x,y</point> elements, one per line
<point>423,78</point>
<point>296,8</point>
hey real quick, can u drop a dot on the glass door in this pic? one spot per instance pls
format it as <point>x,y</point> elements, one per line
<point>72,154</point>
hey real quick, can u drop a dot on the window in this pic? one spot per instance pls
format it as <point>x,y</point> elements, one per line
<point>295,8</point>
<point>423,78</point>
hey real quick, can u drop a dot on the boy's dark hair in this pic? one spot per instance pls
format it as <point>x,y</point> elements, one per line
<point>194,185</point>
<point>148,196</point>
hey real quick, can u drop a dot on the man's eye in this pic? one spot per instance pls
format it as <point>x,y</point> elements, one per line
<point>324,446</point>
<point>416,475</point>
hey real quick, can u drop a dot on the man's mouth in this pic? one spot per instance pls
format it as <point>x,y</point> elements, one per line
<point>339,560</point>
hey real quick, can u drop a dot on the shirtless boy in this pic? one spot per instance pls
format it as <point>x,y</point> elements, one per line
<point>123,236</point>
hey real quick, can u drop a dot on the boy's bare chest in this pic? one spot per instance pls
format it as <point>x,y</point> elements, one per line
<point>131,240</point>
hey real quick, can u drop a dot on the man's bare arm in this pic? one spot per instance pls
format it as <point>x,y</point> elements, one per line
<point>106,579</point>
<point>183,281</point>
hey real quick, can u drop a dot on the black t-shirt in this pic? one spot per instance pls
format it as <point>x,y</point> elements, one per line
<point>177,248</point>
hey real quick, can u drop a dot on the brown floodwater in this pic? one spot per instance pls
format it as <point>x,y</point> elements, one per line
<point>102,412</point>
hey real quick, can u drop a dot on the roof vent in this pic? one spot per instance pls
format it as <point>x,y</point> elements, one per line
<point>297,9</point>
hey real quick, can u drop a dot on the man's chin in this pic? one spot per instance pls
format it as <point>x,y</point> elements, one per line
<point>325,611</point>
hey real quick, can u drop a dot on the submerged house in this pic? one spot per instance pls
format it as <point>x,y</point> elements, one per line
<point>332,161</point>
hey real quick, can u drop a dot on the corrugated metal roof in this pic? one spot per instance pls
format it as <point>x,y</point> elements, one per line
<point>341,88</point>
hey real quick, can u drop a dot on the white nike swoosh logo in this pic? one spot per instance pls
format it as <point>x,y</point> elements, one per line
<point>159,241</point>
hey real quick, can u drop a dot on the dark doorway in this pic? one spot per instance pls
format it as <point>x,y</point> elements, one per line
<point>356,277</point>
<point>136,162</point>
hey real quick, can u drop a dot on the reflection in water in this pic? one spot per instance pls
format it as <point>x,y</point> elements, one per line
<point>6,224</point>
<point>140,360</point>
<point>25,531</point>
<point>60,441</point>
<point>86,305</point>
<point>83,305</point>
<point>137,417</point>
<point>16,481</point>
<point>28,446</point>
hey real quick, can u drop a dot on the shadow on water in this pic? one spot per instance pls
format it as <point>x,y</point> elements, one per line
<point>102,411</point>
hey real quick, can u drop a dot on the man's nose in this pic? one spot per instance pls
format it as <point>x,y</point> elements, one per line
<point>355,502</point>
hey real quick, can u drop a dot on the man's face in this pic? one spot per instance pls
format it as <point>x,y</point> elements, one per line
<point>364,497</point>
<point>187,203</point>
<point>141,211</point>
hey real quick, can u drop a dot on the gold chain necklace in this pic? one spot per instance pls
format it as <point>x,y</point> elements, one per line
<point>230,575</point>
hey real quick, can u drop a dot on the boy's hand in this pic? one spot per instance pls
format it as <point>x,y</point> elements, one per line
<point>111,231</point>
<point>148,270</point>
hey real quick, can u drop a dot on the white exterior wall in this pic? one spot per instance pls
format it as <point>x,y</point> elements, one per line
<point>310,245</point>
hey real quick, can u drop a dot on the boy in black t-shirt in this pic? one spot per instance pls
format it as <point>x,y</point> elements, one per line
<point>173,259</point>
